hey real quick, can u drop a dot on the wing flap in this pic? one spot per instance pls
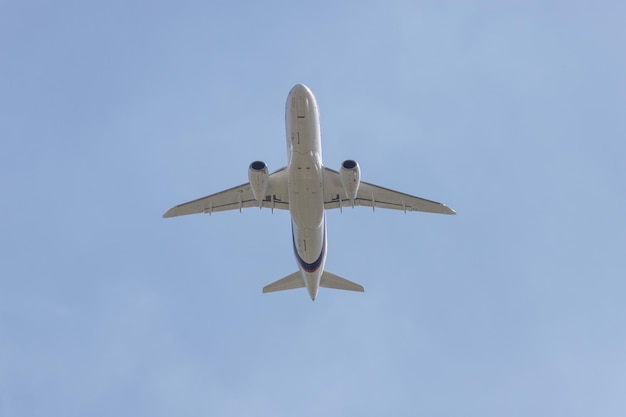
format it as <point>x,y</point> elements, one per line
<point>238,198</point>
<point>370,195</point>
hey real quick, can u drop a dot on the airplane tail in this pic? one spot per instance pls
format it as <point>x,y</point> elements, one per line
<point>336,282</point>
<point>290,282</point>
<point>328,280</point>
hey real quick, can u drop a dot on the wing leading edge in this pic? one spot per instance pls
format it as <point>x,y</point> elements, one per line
<point>370,195</point>
<point>238,198</point>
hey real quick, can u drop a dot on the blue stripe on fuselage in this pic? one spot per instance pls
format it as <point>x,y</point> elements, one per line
<point>315,265</point>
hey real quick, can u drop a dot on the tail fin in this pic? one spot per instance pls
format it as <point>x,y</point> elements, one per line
<point>333,281</point>
<point>288,283</point>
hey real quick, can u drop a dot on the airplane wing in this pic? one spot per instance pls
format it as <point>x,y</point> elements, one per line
<point>238,198</point>
<point>370,195</point>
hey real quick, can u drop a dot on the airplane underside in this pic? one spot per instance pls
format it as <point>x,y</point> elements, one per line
<point>307,188</point>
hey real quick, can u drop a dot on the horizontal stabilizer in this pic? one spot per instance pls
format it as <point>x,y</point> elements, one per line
<point>333,281</point>
<point>290,282</point>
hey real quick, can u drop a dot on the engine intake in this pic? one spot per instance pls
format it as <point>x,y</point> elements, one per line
<point>258,175</point>
<point>350,173</point>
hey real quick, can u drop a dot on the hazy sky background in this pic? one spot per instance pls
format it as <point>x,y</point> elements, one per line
<point>510,112</point>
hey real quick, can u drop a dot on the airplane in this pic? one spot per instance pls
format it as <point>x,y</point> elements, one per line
<point>307,188</point>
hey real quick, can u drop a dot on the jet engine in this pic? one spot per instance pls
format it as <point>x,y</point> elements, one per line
<point>258,175</point>
<point>350,178</point>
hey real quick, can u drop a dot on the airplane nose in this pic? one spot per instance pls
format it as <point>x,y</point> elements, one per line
<point>300,90</point>
<point>301,101</point>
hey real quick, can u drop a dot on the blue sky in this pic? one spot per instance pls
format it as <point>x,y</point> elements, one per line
<point>512,113</point>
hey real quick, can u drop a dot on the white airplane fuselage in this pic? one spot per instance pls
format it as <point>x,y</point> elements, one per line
<point>307,188</point>
<point>305,185</point>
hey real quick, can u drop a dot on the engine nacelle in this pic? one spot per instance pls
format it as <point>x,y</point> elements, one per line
<point>350,178</point>
<point>258,175</point>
